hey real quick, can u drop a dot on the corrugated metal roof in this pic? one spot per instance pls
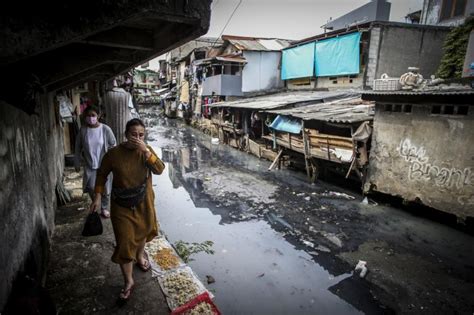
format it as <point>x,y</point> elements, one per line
<point>348,110</point>
<point>273,101</point>
<point>259,44</point>
<point>424,92</point>
<point>237,59</point>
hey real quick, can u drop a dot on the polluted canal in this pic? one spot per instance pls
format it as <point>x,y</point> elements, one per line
<point>278,242</point>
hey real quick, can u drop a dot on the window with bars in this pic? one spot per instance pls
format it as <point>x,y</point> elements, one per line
<point>452,8</point>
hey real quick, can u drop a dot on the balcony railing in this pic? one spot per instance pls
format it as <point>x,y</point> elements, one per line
<point>222,84</point>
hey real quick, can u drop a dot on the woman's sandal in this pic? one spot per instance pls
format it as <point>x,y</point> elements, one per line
<point>145,267</point>
<point>125,294</point>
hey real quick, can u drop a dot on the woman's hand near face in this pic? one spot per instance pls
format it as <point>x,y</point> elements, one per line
<point>140,145</point>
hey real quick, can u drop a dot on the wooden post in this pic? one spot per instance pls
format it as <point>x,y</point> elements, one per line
<point>276,159</point>
<point>307,151</point>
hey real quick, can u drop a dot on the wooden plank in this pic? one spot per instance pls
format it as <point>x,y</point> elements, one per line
<point>276,160</point>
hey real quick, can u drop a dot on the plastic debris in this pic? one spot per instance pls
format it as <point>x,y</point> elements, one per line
<point>365,201</point>
<point>362,266</point>
<point>307,198</point>
<point>337,195</point>
<point>333,239</point>
<point>210,279</point>
<point>215,140</point>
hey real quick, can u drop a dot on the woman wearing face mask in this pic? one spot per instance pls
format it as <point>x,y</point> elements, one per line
<point>93,141</point>
<point>132,205</point>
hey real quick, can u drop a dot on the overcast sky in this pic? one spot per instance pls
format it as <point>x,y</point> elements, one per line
<point>291,19</point>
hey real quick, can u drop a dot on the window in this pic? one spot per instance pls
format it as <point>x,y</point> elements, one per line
<point>398,108</point>
<point>452,8</point>
<point>436,109</point>
<point>462,110</point>
<point>448,110</point>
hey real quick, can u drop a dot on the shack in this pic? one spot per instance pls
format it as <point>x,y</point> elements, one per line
<point>423,149</point>
<point>244,123</point>
<point>333,135</point>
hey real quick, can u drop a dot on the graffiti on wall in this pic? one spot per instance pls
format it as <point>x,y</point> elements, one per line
<point>421,169</point>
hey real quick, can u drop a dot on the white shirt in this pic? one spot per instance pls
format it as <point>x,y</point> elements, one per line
<point>95,141</point>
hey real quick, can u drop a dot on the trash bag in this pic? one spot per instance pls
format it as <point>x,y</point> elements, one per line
<point>93,225</point>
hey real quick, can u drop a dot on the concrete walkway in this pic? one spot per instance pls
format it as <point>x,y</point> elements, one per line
<point>81,277</point>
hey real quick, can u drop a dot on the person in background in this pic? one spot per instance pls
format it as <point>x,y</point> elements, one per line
<point>133,212</point>
<point>93,141</point>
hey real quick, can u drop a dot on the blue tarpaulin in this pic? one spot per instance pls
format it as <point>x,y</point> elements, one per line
<point>338,56</point>
<point>286,124</point>
<point>297,62</point>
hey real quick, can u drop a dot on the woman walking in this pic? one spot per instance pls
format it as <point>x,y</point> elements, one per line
<point>93,141</point>
<point>132,206</point>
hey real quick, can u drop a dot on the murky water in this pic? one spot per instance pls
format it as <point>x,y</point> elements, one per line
<point>257,270</point>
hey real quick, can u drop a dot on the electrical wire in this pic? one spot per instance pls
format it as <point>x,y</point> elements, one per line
<point>227,23</point>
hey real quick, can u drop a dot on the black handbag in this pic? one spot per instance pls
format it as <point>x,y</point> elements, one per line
<point>93,225</point>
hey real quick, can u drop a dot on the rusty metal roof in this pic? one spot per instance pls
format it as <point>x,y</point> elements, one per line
<point>257,44</point>
<point>237,59</point>
<point>286,99</point>
<point>347,110</point>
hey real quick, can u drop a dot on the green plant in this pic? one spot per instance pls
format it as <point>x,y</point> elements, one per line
<point>185,249</point>
<point>454,48</point>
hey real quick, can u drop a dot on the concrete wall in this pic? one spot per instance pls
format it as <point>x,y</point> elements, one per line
<point>223,84</point>
<point>394,48</point>
<point>339,82</point>
<point>32,155</point>
<point>425,157</point>
<point>432,10</point>
<point>290,85</point>
<point>261,71</point>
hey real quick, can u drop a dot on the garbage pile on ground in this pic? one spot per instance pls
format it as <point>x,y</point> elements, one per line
<point>185,293</point>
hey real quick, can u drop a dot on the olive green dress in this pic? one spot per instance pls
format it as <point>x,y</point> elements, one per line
<point>131,227</point>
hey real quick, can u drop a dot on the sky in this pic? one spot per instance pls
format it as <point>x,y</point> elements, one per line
<point>290,19</point>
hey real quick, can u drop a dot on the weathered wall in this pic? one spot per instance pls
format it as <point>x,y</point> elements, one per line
<point>400,47</point>
<point>262,71</point>
<point>339,82</point>
<point>432,10</point>
<point>420,156</point>
<point>32,160</point>
<point>290,85</point>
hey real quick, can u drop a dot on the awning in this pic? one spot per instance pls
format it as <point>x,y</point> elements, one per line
<point>286,124</point>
